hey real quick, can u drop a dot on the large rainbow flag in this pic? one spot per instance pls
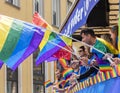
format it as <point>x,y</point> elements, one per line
<point>47,49</point>
<point>53,51</point>
<point>18,39</point>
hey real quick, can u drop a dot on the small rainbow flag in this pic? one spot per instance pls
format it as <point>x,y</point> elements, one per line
<point>63,63</point>
<point>105,67</point>
<point>48,83</point>
<point>67,73</point>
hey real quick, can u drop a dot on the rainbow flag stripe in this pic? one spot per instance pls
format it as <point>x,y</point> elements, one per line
<point>98,78</point>
<point>63,63</point>
<point>95,79</point>
<point>103,76</point>
<point>39,21</point>
<point>105,67</point>
<point>107,73</point>
<point>18,40</point>
<point>113,73</point>
<point>48,83</point>
<point>90,81</point>
<point>67,73</point>
<point>1,64</point>
<point>110,46</point>
<point>118,69</point>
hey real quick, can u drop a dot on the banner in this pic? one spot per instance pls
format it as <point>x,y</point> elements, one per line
<point>109,86</point>
<point>79,16</point>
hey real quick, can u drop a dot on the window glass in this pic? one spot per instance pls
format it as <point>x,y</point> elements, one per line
<point>12,81</point>
<point>38,75</point>
<point>56,13</point>
<point>14,2</point>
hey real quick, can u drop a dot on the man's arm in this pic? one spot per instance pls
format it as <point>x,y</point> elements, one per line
<point>87,73</point>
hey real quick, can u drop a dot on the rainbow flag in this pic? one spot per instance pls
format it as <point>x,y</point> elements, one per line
<point>18,40</point>
<point>47,49</point>
<point>50,53</point>
<point>67,73</point>
<point>108,45</point>
<point>62,53</point>
<point>50,48</point>
<point>39,21</point>
<point>105,67</point>
<point>63,63</point>
<point>48,83</point>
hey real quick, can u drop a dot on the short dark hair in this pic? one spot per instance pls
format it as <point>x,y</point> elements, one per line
<point>88,31</point>
<point>82,47</point>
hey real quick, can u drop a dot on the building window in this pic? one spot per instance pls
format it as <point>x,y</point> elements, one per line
<point>38,75</point>
<point>39,6</point>
<point>12,81</point>
<point>56,12</point>
<point>69,4</point>
<point>14,2</point>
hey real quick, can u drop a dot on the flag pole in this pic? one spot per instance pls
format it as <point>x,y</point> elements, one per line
<point>75,40</point>
<point>68,51</point>
<point>109,59</point>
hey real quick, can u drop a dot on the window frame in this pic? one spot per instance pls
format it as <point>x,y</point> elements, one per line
<point>68,5</point>
<point>56,9</point>
<point>38,82</point>
<point>40,8</point>
<point>15,3</point>
<point>12,80</point>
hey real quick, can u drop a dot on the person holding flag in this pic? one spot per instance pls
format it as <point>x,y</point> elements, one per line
<point>114,37</point>
<point>99,46</point>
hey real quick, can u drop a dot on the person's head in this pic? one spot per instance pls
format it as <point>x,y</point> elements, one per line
<point>82,50</point>
<point>75,64</point>
<point>87,36</point>
<point>114,32</point>
<point>58,73</point>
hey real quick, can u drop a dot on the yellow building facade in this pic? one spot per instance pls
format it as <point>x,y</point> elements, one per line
<point>54,12</point>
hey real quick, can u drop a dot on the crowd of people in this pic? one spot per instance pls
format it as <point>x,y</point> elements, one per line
<point>87,63</point>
